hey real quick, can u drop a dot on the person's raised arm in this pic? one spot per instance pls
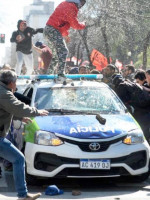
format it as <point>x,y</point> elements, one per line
<point>37,49</point>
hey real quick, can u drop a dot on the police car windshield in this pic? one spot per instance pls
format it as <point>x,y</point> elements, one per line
<point>88,99</point>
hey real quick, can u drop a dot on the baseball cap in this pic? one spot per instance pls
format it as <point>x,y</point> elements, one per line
<point>53,190</point>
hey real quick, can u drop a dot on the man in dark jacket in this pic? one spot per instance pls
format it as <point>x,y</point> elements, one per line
<point>137,100</point>
<point>11,107</point>
<point>23,39</point>
<point>129,72</point>
<point>62,19</point>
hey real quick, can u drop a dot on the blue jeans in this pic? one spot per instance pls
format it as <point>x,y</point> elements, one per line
<point>9,152</point>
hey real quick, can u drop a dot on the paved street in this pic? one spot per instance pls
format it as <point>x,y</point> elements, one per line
<point>90,189</point>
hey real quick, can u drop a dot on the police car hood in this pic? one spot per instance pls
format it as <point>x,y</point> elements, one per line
<point>87,126</point>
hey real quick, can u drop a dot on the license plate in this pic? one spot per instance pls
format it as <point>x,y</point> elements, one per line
<point>94,164</point>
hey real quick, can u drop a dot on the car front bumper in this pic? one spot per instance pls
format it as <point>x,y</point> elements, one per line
<point>64,160</point>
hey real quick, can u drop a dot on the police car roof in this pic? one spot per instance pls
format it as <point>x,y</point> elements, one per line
<point>77,83</point>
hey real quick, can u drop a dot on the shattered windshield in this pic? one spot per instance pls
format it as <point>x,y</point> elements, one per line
<point>78,99</point>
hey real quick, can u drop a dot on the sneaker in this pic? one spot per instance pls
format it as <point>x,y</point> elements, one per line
<point>30,197</point>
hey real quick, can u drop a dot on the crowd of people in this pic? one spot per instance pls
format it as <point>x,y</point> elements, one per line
<point>131,85</point>
<point>133,88</point>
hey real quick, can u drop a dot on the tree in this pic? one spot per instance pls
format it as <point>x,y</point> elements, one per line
<point>145,47</point>
<point>115,27</point>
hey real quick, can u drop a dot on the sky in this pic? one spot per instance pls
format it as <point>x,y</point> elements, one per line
<point>10,12</point>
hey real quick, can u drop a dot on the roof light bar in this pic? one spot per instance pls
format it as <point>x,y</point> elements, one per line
<point>69,76</point>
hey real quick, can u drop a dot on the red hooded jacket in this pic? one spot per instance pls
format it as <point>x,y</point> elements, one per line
<point>64,17</point>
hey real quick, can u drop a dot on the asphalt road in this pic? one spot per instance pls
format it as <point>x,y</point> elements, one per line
<point>90,189</point>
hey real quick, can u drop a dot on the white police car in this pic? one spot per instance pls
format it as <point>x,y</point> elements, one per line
<point>88,133</point>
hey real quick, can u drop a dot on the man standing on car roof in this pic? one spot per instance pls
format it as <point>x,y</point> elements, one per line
<point>23,39</point>
<point>62,19</point>
<point>11,107</point>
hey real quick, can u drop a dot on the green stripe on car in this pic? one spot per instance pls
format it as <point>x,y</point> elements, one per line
<point>30,130</point>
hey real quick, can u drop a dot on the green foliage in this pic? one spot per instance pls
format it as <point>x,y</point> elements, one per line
<point>126,22</point>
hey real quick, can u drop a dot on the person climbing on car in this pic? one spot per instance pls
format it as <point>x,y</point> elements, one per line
<point>62,19</point>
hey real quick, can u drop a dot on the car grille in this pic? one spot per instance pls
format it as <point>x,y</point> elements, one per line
<point>84,146</point>
<point>50,162</point>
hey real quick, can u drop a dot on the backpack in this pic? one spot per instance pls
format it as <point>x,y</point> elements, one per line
<point>138,95</point>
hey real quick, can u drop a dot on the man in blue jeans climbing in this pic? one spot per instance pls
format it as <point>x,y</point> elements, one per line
<point>11,107</point>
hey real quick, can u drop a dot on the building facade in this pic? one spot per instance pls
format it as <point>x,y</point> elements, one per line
<point>37,15</point>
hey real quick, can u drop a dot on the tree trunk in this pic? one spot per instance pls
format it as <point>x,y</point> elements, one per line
<point>84,39</point>
<point>145,46</point>
<point>78,52</point>
<point>103,29</point>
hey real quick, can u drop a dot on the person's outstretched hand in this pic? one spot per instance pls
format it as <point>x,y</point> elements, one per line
<point>43,112</point>
<point>26,120</point>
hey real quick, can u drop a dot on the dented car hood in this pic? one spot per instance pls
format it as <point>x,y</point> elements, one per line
<point>84,126</point>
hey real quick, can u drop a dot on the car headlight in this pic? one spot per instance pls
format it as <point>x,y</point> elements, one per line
<point>134,137</point>
<point>47,138</point>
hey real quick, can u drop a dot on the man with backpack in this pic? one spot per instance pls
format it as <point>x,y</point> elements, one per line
<point>136,99</point>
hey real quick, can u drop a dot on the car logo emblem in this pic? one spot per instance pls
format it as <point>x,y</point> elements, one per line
<point>94,146</point>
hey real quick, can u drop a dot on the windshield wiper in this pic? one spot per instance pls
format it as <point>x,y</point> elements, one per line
<point>55,110</point>
<point>98,116</point>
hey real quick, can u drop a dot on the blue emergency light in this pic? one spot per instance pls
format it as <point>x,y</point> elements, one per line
<point>68,76</point>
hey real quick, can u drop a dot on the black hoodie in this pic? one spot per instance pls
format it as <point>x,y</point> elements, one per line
<point>25,46</point>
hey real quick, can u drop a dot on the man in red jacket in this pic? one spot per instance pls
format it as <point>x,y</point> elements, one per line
<point>62,19</point>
